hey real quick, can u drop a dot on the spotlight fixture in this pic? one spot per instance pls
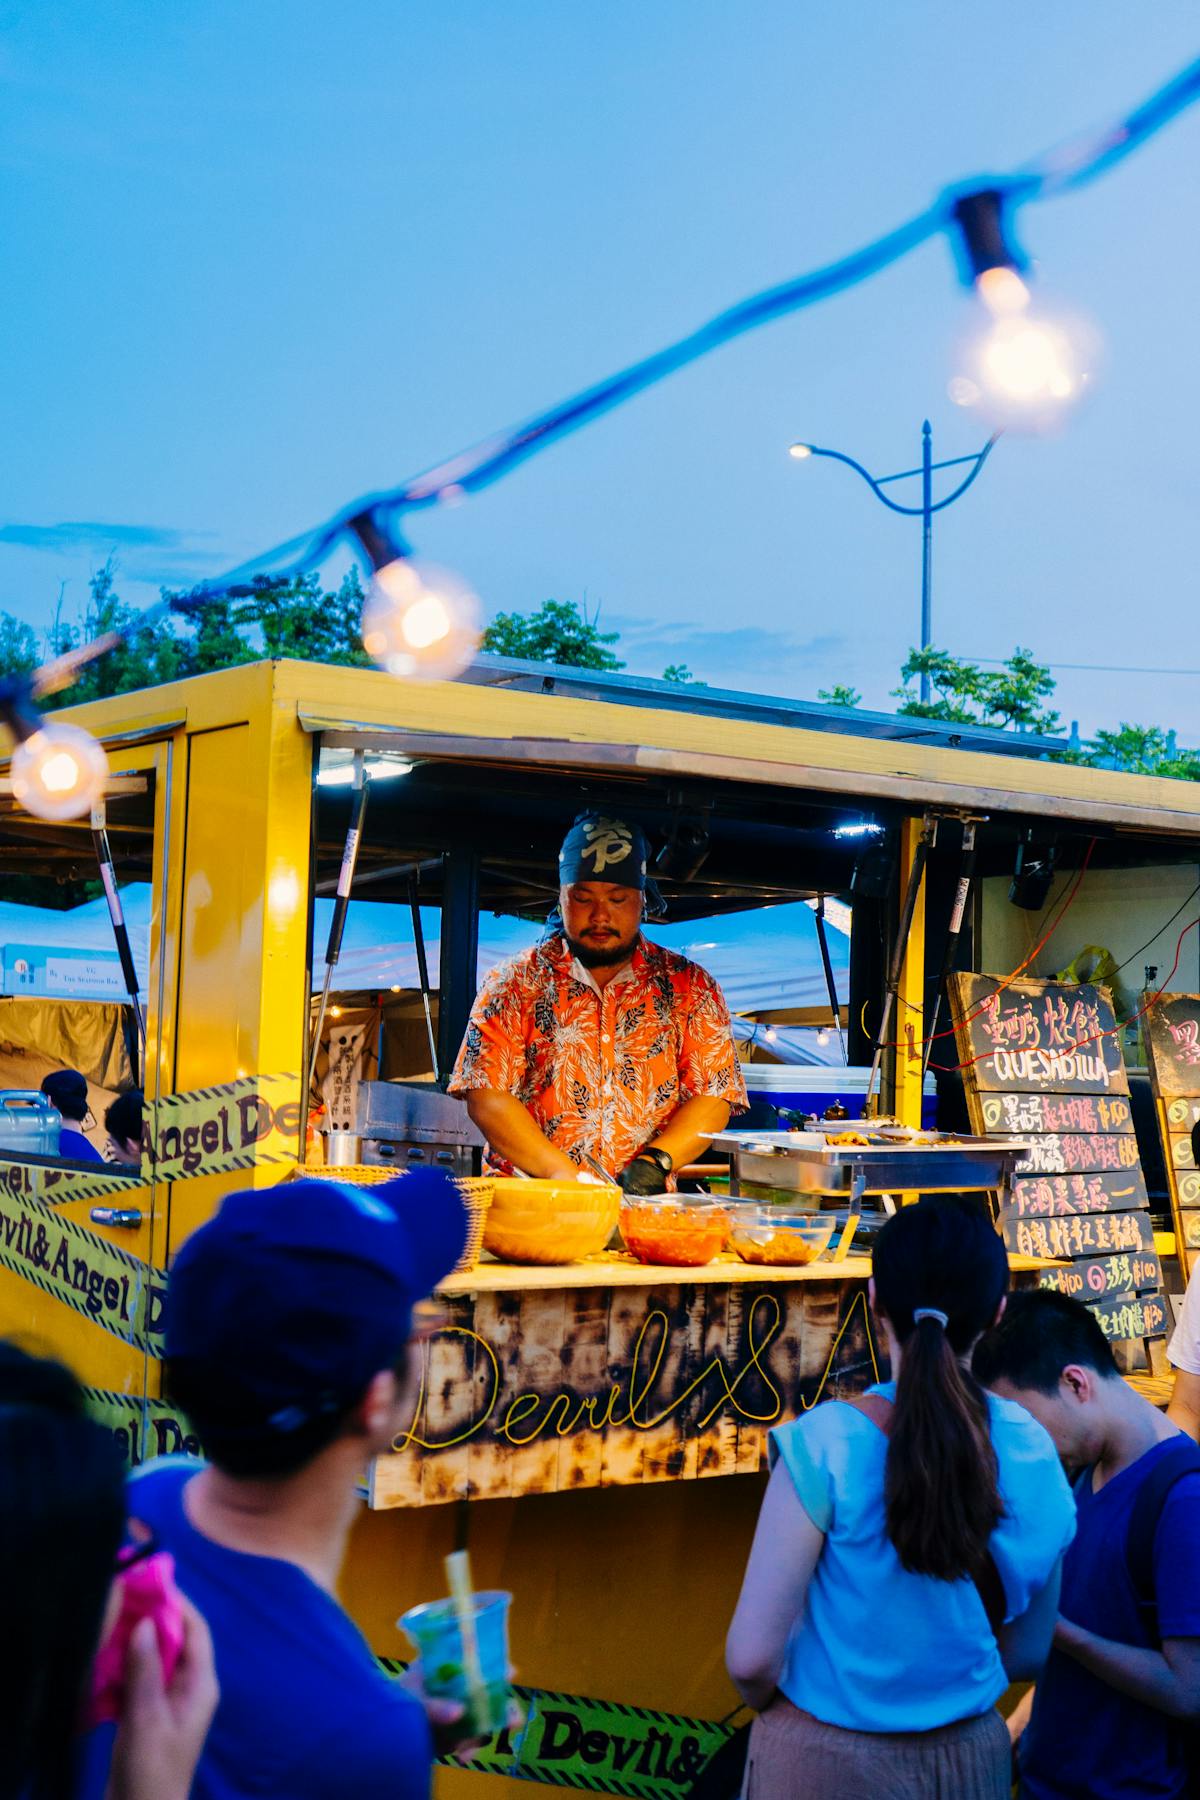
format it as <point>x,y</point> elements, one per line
<point>1033,873</point>
<point>875,869</point>
<point>683,855</point>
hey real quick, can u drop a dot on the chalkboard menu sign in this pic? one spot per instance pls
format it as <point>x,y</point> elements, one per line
<point>1172,1026</point>
<point>1042,1060</point>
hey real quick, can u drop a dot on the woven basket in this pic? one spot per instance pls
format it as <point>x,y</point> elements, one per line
<point>476,1191</point>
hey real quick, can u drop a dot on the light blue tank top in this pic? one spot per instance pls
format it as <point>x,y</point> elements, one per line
<point>878,1648</point>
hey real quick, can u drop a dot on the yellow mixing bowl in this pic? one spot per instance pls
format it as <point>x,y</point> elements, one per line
<point>549,1221</point>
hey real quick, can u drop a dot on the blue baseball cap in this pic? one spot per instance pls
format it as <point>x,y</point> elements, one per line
<point>303,1291</point>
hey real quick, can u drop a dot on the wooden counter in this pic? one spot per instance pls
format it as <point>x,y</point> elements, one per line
<point>614,1269</point>
<point>607,1373</point>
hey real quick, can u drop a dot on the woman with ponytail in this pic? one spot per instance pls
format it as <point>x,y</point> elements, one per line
<point>906,1563</point>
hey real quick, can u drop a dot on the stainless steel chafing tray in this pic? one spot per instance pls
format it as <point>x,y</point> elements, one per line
<point>803,1162</point>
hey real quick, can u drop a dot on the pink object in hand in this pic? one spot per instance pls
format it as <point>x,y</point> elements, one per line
<point>148,1591</point>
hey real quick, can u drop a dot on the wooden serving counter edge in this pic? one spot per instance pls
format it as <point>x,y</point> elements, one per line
<point>610,1373</point>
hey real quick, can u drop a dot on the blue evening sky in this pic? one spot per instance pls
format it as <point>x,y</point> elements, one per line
<point>259,257</point>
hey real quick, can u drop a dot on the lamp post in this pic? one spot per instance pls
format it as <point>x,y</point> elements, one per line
<point>924,512</point>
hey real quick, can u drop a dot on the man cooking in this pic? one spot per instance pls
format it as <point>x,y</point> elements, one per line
<point>597,1047</point>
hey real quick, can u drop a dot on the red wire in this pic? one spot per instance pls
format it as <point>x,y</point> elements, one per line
<point>1058,913</point>
<point>1109,1031</point>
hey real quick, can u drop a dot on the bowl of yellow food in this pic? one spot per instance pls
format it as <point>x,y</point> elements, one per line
<point>549,1221</point>
<point>764,1234</point>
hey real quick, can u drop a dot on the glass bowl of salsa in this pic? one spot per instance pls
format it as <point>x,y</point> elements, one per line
<point>674,1231</point>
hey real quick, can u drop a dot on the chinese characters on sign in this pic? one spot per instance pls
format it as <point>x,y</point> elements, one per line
<point>1042,1061</point>
<point>1173,1050</point>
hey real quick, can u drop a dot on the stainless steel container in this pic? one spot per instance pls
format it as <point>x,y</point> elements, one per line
<point>343,1149</point>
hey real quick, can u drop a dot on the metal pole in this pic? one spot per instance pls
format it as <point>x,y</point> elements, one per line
<point>423,970</point>
<point>924,844</point>
<point>830,984</point>
<point>962,892</point>
<point>926,549</point>
<point>341,904</point>
<point>120,930</point>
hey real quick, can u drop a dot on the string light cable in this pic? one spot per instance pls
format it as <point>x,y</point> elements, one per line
<point>423,623</point>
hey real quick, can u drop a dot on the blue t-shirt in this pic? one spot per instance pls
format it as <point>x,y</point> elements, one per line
<point>305,1711</point>
<point>878,1648</point>
<point>79,1148</point>
<point>1085,1739</point>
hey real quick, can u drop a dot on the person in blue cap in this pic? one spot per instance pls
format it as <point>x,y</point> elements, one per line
<point>67,1092</point>
<point>288,1322</point>
<point>598,1048</point>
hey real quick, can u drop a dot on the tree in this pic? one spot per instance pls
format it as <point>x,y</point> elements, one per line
<point>840,694</point>
<point>682,676</point>
<point>966,695</point>
<point>289,617</point>
<point>558,632</point>
<point>1137,750</point>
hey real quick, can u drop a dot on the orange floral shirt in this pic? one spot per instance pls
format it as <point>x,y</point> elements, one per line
<point>600,1070</point>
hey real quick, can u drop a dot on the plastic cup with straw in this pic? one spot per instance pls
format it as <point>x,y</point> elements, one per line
<point>463,1645</point>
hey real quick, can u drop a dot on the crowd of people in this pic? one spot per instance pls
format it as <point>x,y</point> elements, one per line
<point>919,1549</point>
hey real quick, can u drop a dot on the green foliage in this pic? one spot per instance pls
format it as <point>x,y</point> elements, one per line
<point>1138,750</point>
<point>966,695</point>
<point>840,694</point>
<point>281,618</point>
<point>297,618</point>
<point>18,646</point>
<point>558,632</point>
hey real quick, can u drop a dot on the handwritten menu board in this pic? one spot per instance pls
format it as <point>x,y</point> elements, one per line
<point>1042,1060</point>
<point>1172,1027</point>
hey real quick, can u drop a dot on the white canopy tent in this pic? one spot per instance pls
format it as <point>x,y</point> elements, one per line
<point>767,961</point>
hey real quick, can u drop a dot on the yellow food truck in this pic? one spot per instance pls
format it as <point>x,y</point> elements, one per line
<point>593,1431</point>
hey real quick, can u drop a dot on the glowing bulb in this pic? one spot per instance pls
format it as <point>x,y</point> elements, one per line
<point>420,622</point>
<point>1026,367</point>
<point>59,771</point>
<point>800,451</point>
<point>1002,291</point>
<point>822,1037</point>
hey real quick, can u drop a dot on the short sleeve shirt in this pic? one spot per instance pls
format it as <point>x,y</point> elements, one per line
<point>305,1711</point>
<point>600,1070</point>
<point>1086,1738</point>
<point>877,1647</point>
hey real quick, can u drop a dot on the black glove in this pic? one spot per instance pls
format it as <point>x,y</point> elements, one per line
<point>643,1176</point>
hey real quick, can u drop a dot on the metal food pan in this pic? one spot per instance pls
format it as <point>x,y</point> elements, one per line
<point>815,1167</point>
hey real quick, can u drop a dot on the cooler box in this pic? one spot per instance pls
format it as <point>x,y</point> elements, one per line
<point>811,1088</point>
<point>28,1122</point>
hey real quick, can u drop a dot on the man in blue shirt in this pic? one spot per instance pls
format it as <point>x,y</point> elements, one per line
<point>288,1318</point>
<point>1120,1696</point>
<point>67,1091</point>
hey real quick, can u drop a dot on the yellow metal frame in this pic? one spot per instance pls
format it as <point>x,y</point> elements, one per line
<point>232,755</point>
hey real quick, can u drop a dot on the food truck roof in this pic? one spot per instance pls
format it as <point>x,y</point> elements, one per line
<point>729,703</point>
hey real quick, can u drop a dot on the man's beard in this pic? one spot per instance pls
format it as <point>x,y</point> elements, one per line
<point>607,956</point>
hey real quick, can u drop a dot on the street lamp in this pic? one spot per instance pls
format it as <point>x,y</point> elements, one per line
<point>924,512</point>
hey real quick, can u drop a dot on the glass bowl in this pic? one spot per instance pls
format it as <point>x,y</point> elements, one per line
<point>672,1231</point>
<point>768,1235</point>
<point>552,1222</point>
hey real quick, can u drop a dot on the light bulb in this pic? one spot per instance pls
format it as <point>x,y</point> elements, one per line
<point>59,771</point>
<point>800,451</point>
<point>1026,366</point>
<point>420,621</point>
